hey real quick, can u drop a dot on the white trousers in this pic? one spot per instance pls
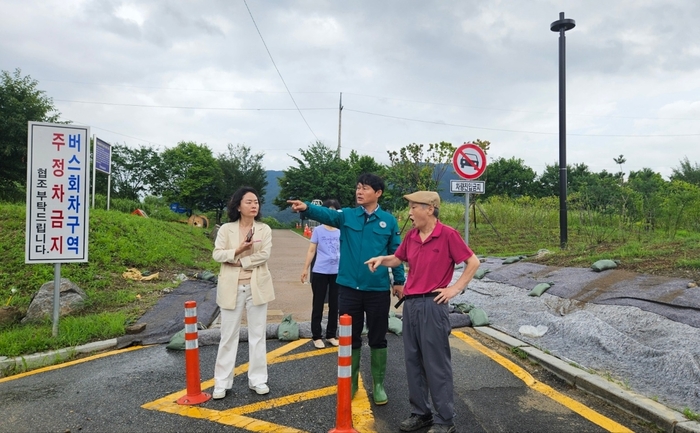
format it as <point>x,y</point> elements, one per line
<point>230,333</point>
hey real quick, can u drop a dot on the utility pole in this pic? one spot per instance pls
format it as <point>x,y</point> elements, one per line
<point>340,118</point>
<point>561,26</point>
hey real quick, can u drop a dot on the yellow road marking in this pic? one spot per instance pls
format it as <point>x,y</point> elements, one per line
<point>362,415</point>
<point>283,401</point>
<point>69,363</point>
<point>316,352</point>
<point>363,418</point>
<point>530,381</point>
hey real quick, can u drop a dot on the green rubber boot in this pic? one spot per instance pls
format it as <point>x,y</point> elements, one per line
<point>355,370</point>
<point>378,361</point>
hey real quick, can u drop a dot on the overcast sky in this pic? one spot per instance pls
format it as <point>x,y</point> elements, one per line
<point>413,71</point>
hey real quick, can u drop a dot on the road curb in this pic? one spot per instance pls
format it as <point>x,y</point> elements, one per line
<point>43,359</point>
<point>644,408</point>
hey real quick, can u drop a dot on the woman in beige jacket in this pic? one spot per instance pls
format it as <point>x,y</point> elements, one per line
<point>244,283</point>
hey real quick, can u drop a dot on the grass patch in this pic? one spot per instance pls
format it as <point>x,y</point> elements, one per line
<point>693,416</point>
<point>72,331</point>
<point>520,353</point>
<point>117,241</point>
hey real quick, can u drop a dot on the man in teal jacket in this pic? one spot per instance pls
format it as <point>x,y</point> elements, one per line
<point>366,231</point>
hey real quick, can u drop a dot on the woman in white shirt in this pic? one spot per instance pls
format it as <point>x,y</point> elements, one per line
<point>243,248</point>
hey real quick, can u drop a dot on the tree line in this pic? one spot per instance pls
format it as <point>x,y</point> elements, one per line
<point>192,175</point>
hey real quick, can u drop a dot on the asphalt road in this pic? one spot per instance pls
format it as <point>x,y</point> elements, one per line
<point>136,389</point>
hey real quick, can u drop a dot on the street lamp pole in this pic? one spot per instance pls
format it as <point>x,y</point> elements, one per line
<point>561,26</point>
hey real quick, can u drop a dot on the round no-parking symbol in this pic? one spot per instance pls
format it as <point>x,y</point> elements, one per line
<point>469,161</point>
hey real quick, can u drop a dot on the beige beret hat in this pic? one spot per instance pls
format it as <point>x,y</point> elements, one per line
<point>424,197</point>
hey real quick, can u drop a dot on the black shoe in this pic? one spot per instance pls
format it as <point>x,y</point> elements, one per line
<point>414,422</point>
<point>442,428</point>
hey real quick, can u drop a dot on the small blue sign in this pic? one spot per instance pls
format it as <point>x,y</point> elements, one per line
<point>103,156</point>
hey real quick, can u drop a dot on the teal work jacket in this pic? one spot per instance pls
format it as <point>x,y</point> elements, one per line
<point>361,240</point>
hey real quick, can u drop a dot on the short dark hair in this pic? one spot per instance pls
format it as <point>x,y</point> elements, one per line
<point>233,213</point>
<point>371,180</point>
<point>331,202</point>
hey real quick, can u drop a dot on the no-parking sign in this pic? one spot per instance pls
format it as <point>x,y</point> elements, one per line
<point>469,161</point>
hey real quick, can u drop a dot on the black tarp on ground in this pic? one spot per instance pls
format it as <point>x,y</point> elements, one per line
<point>168,316</point>
<point>669,297</point>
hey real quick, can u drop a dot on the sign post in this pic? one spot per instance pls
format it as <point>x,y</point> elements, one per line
<point>469,162</point>
<point>58,157</point>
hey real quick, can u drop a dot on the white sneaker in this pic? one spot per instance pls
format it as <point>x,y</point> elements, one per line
<point>218,393</point>
<point>260,389</point>
<point>333,341</point>
<point>318,344</point>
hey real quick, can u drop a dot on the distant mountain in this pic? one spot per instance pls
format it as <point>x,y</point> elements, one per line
<point>273,190</point>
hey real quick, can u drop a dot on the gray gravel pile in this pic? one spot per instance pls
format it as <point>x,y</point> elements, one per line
<point>647,352</point>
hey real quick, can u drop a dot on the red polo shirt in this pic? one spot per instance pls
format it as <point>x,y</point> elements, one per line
<point>431,263</point>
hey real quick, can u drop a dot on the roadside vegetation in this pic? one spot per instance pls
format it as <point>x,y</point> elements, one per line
<point>164,244</point>
<point>118,241</point>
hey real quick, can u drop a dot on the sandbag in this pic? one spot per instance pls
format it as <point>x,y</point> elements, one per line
<point>480,273</point>
<point>539,289</point>
<point>207,276</point>
<point>288,329</point>
<point>177,341</point>
<point>395,324</point>
<point>462,307</point>
<point>478,317</point>
<point>513,259</point>
<point>602,265</point>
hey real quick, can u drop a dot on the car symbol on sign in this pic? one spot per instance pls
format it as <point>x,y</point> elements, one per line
<point>474,159</point>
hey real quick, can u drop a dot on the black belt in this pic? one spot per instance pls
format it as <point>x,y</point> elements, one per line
<point>422,295</point>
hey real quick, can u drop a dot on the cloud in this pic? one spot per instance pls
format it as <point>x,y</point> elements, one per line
<point>159,72</point>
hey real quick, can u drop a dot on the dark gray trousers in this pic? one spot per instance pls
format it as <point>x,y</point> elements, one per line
<point>426,330</point>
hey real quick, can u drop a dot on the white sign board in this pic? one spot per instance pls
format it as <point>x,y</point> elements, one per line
<point>466,186</point>
<point>58,158</point>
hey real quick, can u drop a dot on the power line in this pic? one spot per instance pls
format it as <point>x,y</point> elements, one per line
<point>188,107</point>
<point>180,88</point>
<point>408,119</point>
<point>518,131</point>
<point>512,110</point>
<point>278,71</point>
<point>77,122</point>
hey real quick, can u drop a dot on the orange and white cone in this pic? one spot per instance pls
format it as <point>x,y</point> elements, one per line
<point>194,386</point>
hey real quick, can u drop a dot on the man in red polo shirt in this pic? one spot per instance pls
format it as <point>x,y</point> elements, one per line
<point>432,250</point>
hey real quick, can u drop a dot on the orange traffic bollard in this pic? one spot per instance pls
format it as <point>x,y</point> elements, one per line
<point>343,416</point>
<point>307,232</point>
<point>194,387</point>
